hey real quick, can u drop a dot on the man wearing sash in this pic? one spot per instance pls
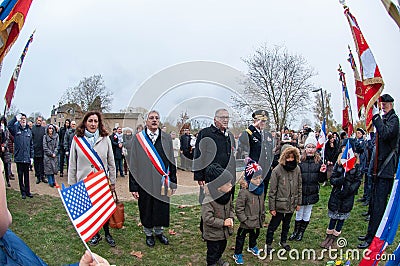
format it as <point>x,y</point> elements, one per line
<point>153,177</point>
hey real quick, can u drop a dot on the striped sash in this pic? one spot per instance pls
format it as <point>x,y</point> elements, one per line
<point>90,153</point>
<point>155,159</point>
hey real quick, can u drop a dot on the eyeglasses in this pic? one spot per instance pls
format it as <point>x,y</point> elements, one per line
<point>153,118</point>
<point>223,117</point>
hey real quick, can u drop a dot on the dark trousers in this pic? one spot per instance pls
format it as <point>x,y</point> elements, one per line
<point>266,183</point>
<point>336,224</point>
<point>38,164</point>
<point>215,249</point>
<point>273,225</point>
<point>367,186</point>
<point>23,178</point>
<point>125,165</point>
<point>241,237</point>
<point>118,166</point>
<point>6,173</point>
<point>62,160</point>
<point>380,192</point>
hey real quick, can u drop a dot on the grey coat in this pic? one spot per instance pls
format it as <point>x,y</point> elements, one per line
<point>50,148</point>
<point>214,215</point>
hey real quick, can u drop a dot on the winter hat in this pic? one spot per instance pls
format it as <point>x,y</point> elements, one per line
<point>253,169</point>
<point>217,175</point>
<point>311,139</point>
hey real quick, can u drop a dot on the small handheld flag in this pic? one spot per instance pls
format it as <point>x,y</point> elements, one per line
<point>348,159</point>
<point>89,204</point>
<point>322,136</point>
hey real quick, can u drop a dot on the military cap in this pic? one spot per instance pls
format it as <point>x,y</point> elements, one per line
<point>361,130</point>
<point>386,98</point>
<point>260,114</point>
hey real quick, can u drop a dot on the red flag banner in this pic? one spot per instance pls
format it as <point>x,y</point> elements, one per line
<point>14,79</point>
<point>347,122</point>
<point>12,25</point>
<point>370,73</point>
<point>360,89</point>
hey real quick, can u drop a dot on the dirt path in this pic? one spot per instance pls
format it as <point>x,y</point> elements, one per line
<point>185,183</point>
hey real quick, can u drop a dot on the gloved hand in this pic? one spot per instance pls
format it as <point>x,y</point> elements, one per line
<point>375,110</point>
<point>18,116</point>
<point>31,160</point>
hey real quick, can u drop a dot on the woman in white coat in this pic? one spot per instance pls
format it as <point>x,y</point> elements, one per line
<point>92,129</point>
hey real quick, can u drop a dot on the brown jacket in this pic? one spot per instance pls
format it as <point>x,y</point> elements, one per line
<point>285,190</point>
<point>250,209</point>
<point>214,215</point>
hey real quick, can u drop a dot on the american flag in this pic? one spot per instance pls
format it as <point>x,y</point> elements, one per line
<point>89,204</point>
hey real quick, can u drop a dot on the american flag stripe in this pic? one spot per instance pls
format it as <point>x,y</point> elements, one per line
<point>98,220</point>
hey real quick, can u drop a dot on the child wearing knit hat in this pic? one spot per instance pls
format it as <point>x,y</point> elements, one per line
<point>250,210</point>
<point>217,212</point>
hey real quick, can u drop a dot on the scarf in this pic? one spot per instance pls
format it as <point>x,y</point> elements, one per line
<point>92,137</point>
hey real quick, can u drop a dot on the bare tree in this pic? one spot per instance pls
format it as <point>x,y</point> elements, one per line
<point>91,94</point>
<point>330,122</point>
<point>278,82</point>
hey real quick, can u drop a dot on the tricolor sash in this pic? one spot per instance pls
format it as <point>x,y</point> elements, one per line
<point>156,160</point>
<point>90,153</point>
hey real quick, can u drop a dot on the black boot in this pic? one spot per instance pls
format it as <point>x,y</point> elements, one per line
<point>297,225</point>
<point>302,230</point>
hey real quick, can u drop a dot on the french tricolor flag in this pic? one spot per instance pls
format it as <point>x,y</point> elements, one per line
<point>387,230</point>
<point>322,136</point>
<point>348,159</point>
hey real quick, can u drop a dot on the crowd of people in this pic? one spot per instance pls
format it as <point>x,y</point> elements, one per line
<point>286,167</point>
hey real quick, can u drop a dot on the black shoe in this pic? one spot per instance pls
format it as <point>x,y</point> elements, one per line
<point>44,180</point>
<point>367,218</point>
<point>29,195</point>
<point>150,241</point>
<point>110,240</point>
<point>362,238</point>
<point>23,197</point>
<point>8,184</point>
<point>361,200</point>
<point>285,246</point>
<point>365,214</point>
<point>163,239</point>
<point>38,181</point>
<point>95,240</point>
<point>363,245</point>
<point>122,175</point>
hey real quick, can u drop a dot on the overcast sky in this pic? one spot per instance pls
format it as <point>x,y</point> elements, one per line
<point>128,41</point>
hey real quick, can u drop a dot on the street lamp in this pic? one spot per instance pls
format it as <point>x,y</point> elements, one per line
<point>322,99</point>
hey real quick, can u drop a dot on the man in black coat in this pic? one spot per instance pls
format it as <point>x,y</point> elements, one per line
<point>261,144</point>
<point>38,131</point>
<point>214,144</point>
<point>387,136</point>
<point>145,182</point>
<point>61,149</point>
<point>186,150</point>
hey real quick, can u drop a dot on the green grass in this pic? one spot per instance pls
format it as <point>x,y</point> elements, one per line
<point>44,225</point>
